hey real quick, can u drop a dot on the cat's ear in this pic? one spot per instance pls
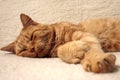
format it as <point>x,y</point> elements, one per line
<point>26,20</point>
<point>10,47</point>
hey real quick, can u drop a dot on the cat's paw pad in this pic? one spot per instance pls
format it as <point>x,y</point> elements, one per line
<point>100,63</point>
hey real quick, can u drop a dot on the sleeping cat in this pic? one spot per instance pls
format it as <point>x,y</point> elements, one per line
<point>71,43</point>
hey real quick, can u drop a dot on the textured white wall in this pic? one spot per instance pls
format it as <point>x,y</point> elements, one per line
<point>50,11</point>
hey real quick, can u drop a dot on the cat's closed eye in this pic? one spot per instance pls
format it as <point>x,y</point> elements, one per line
<point>31,38</point>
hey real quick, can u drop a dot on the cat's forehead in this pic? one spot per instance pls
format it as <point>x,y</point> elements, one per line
<point>34,28</point>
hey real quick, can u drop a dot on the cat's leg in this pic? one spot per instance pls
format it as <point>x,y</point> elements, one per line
<point>94,59</point>
<point>75,61</point>
<point>110,40</point>
<point>72,52</point>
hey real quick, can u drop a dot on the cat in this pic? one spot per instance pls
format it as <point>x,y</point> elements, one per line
<point>70,42</point>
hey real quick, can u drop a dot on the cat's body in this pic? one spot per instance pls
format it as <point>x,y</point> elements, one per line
<point>72,43</point>
<point>107,30</point>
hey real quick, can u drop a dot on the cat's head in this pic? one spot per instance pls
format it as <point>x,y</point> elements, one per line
<point>34,39</point>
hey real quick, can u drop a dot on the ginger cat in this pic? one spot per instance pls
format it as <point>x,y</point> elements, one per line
<point>71,43</point>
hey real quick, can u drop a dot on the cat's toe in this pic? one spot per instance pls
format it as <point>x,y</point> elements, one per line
<point>109,61</point>
<point>86,65</point>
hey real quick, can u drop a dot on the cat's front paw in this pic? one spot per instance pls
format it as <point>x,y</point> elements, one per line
<point>99,63</point>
